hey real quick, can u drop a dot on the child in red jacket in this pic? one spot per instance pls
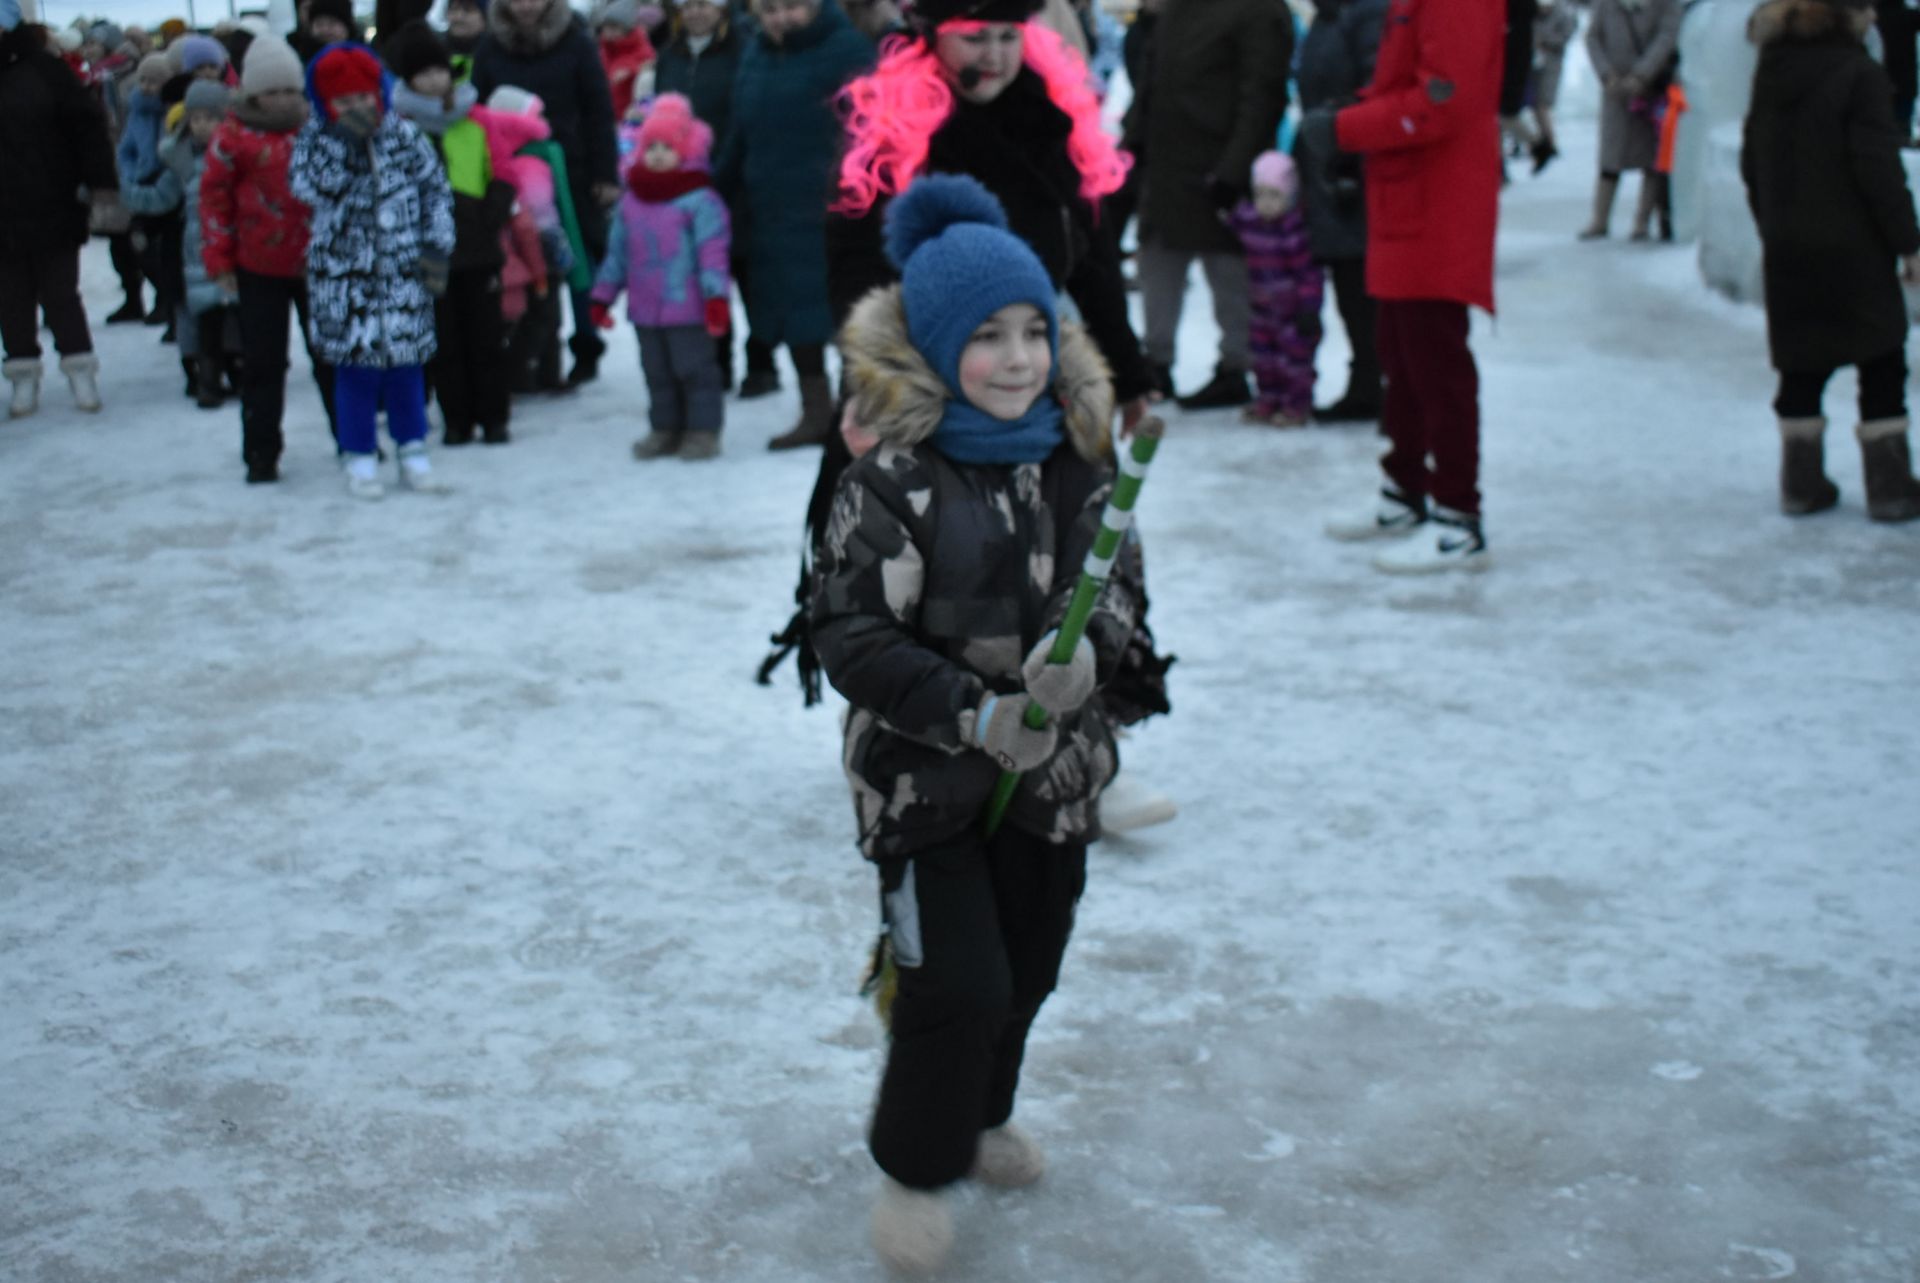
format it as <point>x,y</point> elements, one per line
<point>254,238</point>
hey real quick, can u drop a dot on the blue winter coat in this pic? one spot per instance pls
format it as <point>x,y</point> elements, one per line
<point>778,162</point>
<point>139,150</point>
<point>378,207</point>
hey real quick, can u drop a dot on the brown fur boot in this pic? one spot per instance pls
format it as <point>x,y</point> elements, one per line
<point>1804,488</point>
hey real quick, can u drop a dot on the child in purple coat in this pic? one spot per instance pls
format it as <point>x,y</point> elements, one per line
<point>1286,287</point>
<point>669,252</point>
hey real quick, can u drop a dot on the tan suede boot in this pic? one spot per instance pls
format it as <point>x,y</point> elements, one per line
<point>816,415</point>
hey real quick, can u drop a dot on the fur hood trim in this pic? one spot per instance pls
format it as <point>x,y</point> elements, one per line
<point>541,37</point>
<point>898,397</point>
<point>1779,20</point>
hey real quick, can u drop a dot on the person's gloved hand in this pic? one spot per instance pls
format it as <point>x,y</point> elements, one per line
<point>1059,688</point>
<point>433,271</point>
<point>718,320</point>
<point>1224,194</point>
<point>357,123</point>
<point>600,314</point>
<point>1319,133</point>
<point>999,728</point>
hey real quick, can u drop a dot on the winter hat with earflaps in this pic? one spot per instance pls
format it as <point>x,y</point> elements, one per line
<point>670,120</point>
<point>201,51</point>
<point>958,266</point>
<point>270,64</point>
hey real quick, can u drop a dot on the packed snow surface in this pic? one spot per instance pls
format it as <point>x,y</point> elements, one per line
<point>424,890</point>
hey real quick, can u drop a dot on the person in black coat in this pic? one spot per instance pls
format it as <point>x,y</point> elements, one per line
<point>1899,28</point>
<point>1821,161</point>
<point>54,137</point>
<point>543,47</point>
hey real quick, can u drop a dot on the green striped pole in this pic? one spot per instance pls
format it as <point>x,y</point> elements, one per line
<point>1093,577</point>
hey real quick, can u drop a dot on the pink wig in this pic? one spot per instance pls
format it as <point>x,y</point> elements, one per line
<point>893,112</point>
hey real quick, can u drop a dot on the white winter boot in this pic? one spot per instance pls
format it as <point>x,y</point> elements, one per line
<point>363,476</point>
<point>912,1228</point>
<point>1129,802</point>
<point>416,470</point>
<point>24,373</point>
<point>1008,1157</point>
<point>1392,516</point>
<point>82,370</point>
<point>1452,541</point>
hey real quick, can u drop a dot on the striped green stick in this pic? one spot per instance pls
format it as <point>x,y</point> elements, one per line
<point>1093,577</point>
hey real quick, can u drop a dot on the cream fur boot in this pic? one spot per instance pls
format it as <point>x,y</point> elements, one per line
<point>1008,1157</point>
<point>912,1228</point>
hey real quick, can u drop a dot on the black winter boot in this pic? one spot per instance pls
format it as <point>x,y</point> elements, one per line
<point>1804,487</point>
<point>1227,390</point>
<point>207,392</point>
<point>1893,494</point>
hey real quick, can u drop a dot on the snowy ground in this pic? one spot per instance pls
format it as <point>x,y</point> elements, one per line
<point>423,891</point>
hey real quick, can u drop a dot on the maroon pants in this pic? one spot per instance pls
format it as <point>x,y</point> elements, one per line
<point>1432,407</point>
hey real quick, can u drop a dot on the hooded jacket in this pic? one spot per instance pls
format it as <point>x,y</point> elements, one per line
<point>1821,161</point>
<point>378,207</point>
<point>935,580</point>
<point>249,217</point>
<point>138,154</point>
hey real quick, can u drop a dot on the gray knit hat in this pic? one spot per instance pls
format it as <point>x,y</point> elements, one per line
<point>208,95</point>
<point>624,14</point>
<point>270,64</point>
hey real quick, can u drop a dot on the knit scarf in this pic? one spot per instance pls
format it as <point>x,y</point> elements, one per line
<point>968,434</point>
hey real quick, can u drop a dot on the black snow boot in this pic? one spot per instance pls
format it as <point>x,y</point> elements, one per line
<point>1162,379</point>
<point>1804,487</point>
<point>207,390</point>
<point>1349,409</point>
<point>1227,391</point>
<point>1893,494</point>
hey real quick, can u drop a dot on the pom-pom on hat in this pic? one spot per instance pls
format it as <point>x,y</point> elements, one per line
<point>342,70</point>
<point>270,64</point>
<point>958,266</point>
<point>201,51</point>
<point>1275,169</point>
<point>415,48</point>
<point>670,120</point>
<point>208,95</point>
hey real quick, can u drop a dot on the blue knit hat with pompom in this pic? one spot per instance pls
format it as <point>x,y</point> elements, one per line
<point>959,265</point>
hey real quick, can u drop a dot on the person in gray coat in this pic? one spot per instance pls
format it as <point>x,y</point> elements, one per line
<point>1336,63</point>
<point>1632,44</point>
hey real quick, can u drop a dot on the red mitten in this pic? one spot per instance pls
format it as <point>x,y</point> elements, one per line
<point>718,321</point>
<point>600,314</point>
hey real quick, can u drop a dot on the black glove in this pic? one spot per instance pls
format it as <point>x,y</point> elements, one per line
<point>356,124</point>
<point>1318,133</point>
<point>433,271</point>
<point>1224,195</point>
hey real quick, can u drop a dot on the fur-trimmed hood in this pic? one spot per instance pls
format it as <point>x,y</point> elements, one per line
<point>898,397</point>
<point>554,21</point>
<point>1778,20</point>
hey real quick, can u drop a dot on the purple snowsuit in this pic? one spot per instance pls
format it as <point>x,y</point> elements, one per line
<point>1286,288</point>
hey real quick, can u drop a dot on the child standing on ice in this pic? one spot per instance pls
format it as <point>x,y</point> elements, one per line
<point>668,251</point>
<point>382,240</point>
<point>949,559</point>
<point>1286,288</point>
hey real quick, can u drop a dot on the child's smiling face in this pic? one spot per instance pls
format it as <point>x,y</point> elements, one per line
<point>1005,366</point>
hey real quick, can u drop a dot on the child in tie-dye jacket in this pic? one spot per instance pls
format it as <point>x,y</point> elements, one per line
<point>1286,288</point>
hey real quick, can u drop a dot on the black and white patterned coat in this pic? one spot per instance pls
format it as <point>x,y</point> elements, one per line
<point>378,206</point>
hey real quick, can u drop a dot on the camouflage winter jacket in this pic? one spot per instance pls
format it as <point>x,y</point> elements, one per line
<point>937,577</point>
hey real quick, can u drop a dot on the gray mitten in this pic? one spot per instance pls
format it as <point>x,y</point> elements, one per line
<point>1058,688</point>
<point>1000,728</point>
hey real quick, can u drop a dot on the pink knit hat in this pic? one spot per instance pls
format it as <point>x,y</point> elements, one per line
<point>1275,169</point>
<point>670,120</point>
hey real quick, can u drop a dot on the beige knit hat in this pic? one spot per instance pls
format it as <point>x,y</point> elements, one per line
<point>270,64</point>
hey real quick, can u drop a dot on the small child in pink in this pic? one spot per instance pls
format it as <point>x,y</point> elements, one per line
<point>1286,287</point>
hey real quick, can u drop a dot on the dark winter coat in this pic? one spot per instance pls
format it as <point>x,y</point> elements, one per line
<point>705,78</point>
<point>53,137</point>
<point>1336,63</point>
<point>1016,146</point>
<point>1822,166</point>
<point>377,208</point>
<point>935,580</point>
<point>1429,130</point>
<point>1218,90</point>
<point>559,61</point>
<point>778,164</point>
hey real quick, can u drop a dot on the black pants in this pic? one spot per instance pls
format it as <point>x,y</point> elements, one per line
<point>469,370</point>
<point>126,264</point>
<point>1883,390</point>
<point>990,919</point>
<point>263,350</point>
<point>43,281</point>
<point>533,347</point>
<point>1357,314</point>
<point>808,358</point>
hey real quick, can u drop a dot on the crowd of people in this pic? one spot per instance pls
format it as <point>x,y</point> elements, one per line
<point>933,192</point>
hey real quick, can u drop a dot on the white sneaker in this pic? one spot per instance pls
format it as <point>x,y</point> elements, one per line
<point>1129,803</point>
<point>912,1228</point>
<point>24,373</point>
<point>82,373</point>
<point>1391,517</point>
<point>363,477</point>
<point>1453,542</point>
<point>1008,1157</point>
<point>416,470</point>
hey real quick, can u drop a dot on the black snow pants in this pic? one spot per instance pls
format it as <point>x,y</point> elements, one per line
<point>264,301</point>
<point>468,371</point>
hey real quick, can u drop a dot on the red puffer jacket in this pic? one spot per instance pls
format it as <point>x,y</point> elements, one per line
<point>1429,128</point>
<point>248,217</point>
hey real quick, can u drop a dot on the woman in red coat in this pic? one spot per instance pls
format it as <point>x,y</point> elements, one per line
<point>1429,130</point>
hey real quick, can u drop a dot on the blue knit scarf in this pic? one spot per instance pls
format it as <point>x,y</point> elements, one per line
<point>968,434</point>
